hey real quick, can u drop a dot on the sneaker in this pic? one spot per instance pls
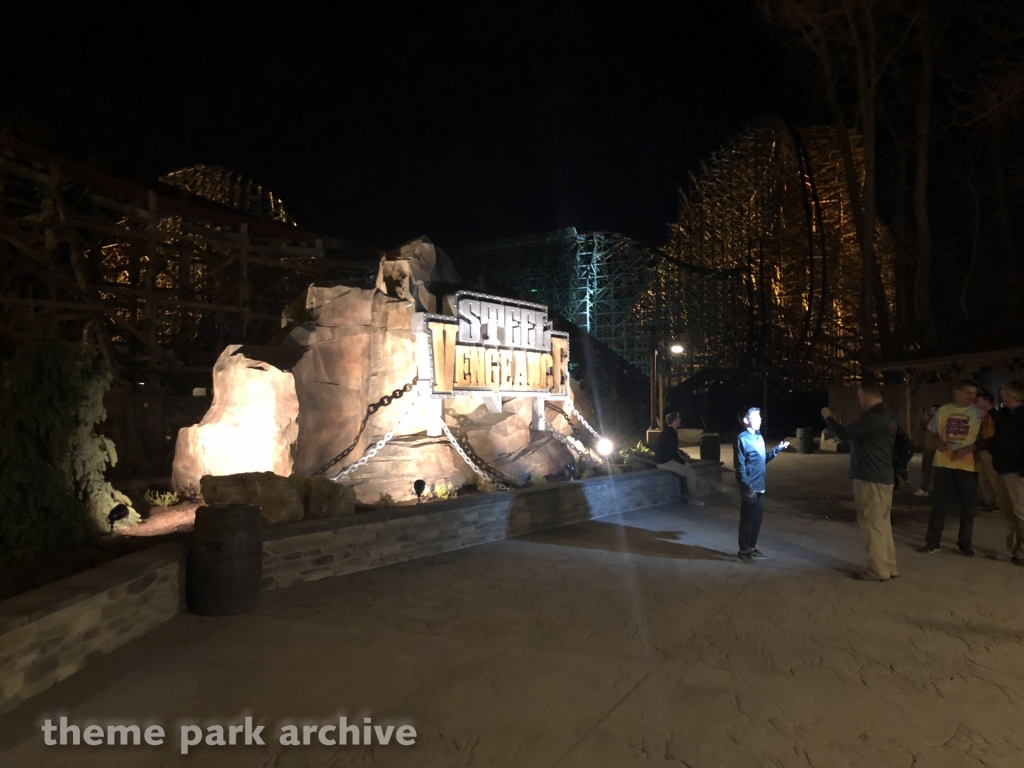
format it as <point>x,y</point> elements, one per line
<point>744,557</point>
<point>920,492</point>
<point>966,551</point>
<point>757,554</point>
<point>695,503</point>
<point>865,576</point>
<point>929,550</point>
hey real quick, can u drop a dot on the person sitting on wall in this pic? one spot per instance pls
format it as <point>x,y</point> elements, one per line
<point>669,457</point>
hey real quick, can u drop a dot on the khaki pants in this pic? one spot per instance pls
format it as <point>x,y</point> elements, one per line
<point>1012,489</point>
<point>685,471</point>
<point>874,505</point>
<point>991,491</point>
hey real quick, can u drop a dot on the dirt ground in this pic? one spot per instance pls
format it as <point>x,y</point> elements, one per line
<point>635,640</point>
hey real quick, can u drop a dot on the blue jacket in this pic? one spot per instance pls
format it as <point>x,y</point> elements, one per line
<point>749,459</point>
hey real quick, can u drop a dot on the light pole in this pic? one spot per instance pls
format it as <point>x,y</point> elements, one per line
<point>657,385</point>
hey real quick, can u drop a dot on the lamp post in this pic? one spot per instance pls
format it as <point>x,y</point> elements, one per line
<point>657,384</point>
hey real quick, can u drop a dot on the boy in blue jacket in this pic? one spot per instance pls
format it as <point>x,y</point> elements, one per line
<point>749,459</point>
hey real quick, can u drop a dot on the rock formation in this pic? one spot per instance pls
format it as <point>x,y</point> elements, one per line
<point>251,425</point>
<point>340,377</point>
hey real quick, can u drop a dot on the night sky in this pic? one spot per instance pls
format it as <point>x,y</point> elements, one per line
<point>379,122</point>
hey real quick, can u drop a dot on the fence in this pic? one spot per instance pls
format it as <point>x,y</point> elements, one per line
<point>144,428</point>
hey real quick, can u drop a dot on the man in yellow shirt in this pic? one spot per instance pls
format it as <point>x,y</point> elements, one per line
<point>958,426</point>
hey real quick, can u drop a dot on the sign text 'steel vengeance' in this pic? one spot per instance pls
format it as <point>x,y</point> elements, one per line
<point>497,345</point>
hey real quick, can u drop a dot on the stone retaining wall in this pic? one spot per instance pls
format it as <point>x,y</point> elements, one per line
<point>306,551</point>
<point>51,632</point>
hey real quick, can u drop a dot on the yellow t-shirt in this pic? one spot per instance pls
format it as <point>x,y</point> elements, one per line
<point>959,427</point>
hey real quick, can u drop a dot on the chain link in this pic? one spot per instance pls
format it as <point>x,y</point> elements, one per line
<point>385,401</point>
<point>374,450</point>
<point>465,457</point>
<point>573,445</point>
<point>570,409</point>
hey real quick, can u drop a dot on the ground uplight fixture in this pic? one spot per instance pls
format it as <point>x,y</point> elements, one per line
<point>120,512</point>
<point>605,447</point>
<point>676,349</point>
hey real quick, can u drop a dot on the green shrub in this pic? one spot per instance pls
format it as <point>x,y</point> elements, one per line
<point>445,490</point>
<point>161,498</point>
<point>52,462</point>
<point>486,485</point>
<point>633,455</point>
<point>385,500</point>
<point>52,489</point>
<point>538,480</point>
<point>92,452</point>
<point>38,403</point>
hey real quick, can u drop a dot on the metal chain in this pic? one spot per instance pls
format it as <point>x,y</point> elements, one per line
<point>374,450</point>
<point>472,464</point>
<point>572,410</point>
<point>576,448</point>
<point>371,409</point>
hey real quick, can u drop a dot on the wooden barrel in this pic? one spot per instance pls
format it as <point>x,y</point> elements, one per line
<point>225,564</point>
<point>804,441</point>
<point>711,446</point>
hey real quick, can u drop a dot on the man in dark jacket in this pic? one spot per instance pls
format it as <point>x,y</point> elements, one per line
<point>1007,448</point>
<point>669,457</point>
<point>872,437</point>
<point>749,459</point>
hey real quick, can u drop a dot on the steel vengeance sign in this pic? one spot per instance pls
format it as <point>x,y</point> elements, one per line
<point>495,345</point>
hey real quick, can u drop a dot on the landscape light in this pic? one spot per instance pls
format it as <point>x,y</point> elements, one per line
<point>676,349</point>
<point>605,447</point>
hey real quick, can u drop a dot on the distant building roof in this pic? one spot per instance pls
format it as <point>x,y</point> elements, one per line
<point>926,359</point>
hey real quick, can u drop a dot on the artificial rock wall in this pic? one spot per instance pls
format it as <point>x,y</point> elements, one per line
<point>291,407</point>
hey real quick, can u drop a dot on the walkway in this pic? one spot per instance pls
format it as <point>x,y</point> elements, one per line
<point>630,641</point>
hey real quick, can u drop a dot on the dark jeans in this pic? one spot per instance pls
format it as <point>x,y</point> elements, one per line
<point>927,468</point>
<point>751,512</point>
<point>947,485</point>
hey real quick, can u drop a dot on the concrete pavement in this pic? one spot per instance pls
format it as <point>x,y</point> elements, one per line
<point>635,640</point>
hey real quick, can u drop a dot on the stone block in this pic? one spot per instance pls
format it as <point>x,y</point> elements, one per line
<point>322,498</point>
<point>273,494</point>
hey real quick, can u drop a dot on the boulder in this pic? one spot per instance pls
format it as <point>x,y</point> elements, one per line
<point>322,498</point>
<point>405,460</point>
<point>495,435</point>
<point>544,455</point>
<point>410,271</point>
<point>353,356</point>
<point>274,495</point>
<point>520,406</point>
<point>251,426</point>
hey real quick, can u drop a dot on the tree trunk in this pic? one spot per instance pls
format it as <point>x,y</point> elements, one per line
<point>877,301</point>
<point>924,323</point>
<point>857,210</point>
<point>1012,284</point>
<point>899,235</point>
